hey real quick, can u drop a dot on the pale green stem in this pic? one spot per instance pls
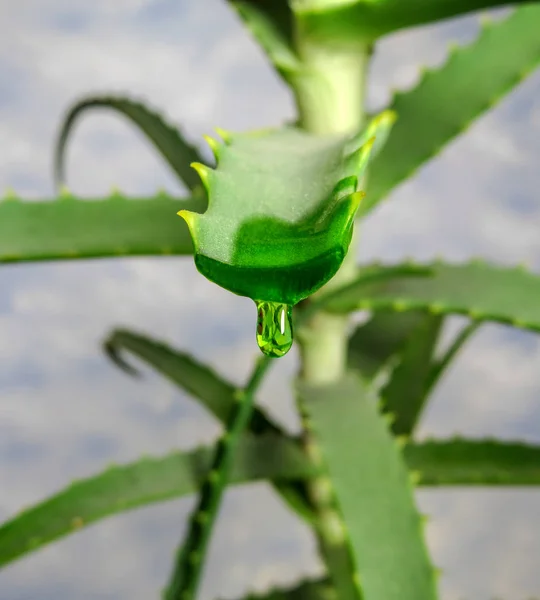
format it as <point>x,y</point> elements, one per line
<point>330,95</point>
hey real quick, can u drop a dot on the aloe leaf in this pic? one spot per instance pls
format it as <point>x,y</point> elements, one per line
<point>382,524</point>
<point>405,393</point>
<point>439,366</point>
<point>190,556</point>
<point>281,210</point>
<point>476,289</point>
<point>268,456</point>
<point>447,100</point>
<point>168,140</point>
<point>69,227</point>
<point>381,338</point>
<point>271,23</point>
<point>205,385</point>
<point>474,462</point>
<point>308,590</point>
<point>149,480</point>
<point>217,395</point>
<point>353,23</point>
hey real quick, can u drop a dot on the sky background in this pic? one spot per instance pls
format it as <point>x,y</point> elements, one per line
<point>65,412</point>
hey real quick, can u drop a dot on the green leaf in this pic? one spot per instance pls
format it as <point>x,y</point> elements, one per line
<point>281,209</point>
<point>168,140</point>
<point>405,393</point>
<point>190,556</point>
<point>73,228</point>
<point>217,395</point>
<point>122,488</point>
<point>474,462</point>
<point>381,338</point>
<point>308,590</point>
<point>271,23</point>
<point>353,23</point>
<point>447,100</point>
<point>212,391</point>
<point>476,290</point>
<point>439,366</point>
<point>269,456</point>
<point>382,523</point>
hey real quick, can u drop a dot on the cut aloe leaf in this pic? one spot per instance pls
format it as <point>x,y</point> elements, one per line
<point>281,210</point>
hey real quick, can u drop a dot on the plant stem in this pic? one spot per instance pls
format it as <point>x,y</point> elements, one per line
<point>189,557</point>
<point>330,94</point>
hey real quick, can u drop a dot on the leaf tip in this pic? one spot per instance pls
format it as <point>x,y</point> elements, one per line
<point>401,305</point>
<point>214,146</point>
<point>10,194</point>
<point>64,192</point>
<point>77,523</point>
<point>116,192</point>
<point>435,308</point>
<point>224,135</point>
<point>204,173</point>
<point>190,218</point>
<point>401,441</point>
<point>415,477</point>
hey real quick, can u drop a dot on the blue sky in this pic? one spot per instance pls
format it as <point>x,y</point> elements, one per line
<point>65,412</point>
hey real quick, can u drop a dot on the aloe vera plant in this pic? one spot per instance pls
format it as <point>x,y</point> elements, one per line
<point>273,219</point>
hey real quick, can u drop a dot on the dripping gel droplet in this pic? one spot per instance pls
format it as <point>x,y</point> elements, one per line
<point>274,328</point>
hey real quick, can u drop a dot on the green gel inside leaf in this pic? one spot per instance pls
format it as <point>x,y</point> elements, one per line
<point>281,207</point>
<point>274,328</point>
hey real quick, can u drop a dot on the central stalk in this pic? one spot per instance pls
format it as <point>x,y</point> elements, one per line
<point>330,95</point>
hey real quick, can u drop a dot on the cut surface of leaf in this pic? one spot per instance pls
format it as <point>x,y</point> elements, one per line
<point>382,524</point>
<point>477,290</point>
<point>69,227</point>
<point>281,210</point>
<point>448,99</point>
<point>168,140</point>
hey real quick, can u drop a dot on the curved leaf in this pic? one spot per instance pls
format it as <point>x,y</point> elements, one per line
<point>281,209</point>
<point>191,554</point>
<point>447,100</point>
<point>168,140</point>
<point>217,395</point>
<point>372,488</point>
<point>474,462</point>
<point>69,227</point>
<point>477,290</point>
<point>353,23</point>
<point>214,393</point>
<point>122,488</point>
